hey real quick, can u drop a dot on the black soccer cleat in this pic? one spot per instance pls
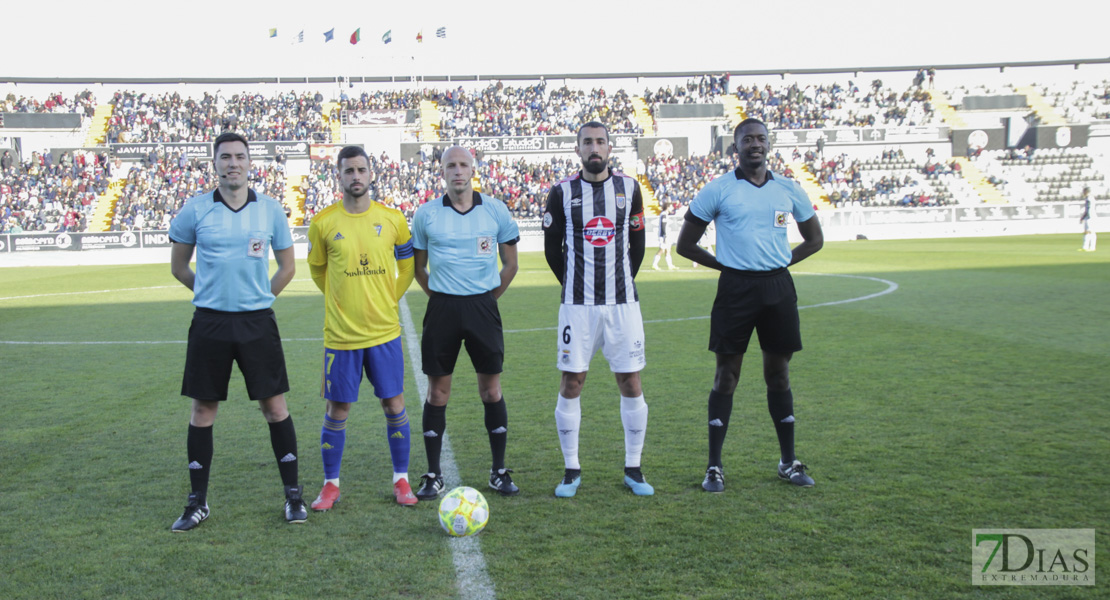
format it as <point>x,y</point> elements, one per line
<point>295,510</point>
<point>714,480</point>
<point>431,486</point>
<point>795,473</point>
<point>501,481</point>
<point>196,510</point>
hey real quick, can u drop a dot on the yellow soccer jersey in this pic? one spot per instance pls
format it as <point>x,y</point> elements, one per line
<point>362,254</point>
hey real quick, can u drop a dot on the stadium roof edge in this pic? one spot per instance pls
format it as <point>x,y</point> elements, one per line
<point>1076,62</point>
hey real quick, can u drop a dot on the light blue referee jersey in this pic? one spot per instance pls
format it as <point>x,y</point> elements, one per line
<point>752,220</point>
<point>462,248</point>
<point>233,249</point>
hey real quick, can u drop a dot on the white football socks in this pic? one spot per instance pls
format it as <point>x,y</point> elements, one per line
<point>634,415</point>
<point>568,418</point>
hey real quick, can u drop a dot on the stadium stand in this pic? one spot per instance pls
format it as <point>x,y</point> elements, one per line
<point>37,194</point>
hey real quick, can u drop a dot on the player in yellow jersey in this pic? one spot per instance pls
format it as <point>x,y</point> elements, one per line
<point>360,256</point>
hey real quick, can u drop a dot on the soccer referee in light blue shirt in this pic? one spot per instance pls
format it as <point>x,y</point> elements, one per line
<point>456,241</point>
<point>232,230</point>
<point>752,209</point>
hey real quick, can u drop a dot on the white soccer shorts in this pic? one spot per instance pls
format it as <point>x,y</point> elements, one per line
<point>618,329</point>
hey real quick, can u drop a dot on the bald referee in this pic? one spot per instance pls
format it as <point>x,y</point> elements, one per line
<point>456,240</point>
<point>752,209</point>
<point>232,230</point>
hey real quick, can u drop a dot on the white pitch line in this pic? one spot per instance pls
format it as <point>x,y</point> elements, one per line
<point>891,287</point>
<point>156,287</point>
<point>470,564</point>
<point>153,287</point>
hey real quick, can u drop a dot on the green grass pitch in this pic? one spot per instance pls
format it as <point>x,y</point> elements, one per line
<point>975,395</point>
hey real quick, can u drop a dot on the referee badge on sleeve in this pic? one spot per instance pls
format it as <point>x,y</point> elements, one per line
<point>782,218</point>
<point>485,245</point>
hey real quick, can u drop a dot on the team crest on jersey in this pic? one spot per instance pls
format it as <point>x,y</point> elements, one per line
<point>599,232</point>
<point>485,245</point>
<point>620,200</point>
<point>362,260</point>
<point>546,220</point>
<point>781,218</point>
<point>256,248</point>
<point>378,228</point>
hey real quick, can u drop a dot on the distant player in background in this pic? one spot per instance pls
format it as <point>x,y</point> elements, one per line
<point>456,241</point>
<point>360,256</point>
<point>708,241</point>
<point>232,230</point>
<point>752,208</point>
<point>594,238</point>
<point>1090,238</point>
<point>666,240</point>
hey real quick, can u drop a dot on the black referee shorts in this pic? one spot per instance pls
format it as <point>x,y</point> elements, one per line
<point>451,320</point>
<point>765,301</point>
<point>250,339</point>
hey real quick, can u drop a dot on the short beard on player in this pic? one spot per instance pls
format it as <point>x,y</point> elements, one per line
<point>349,190</point>
<point>596,168</point>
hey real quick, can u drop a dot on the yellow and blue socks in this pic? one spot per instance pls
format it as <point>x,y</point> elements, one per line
<point>333,437</point>
<point>397,431</point>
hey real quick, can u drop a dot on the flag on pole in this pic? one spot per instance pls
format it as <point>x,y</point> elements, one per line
<point>420,36</point>
<point>329,35</point>
<point>273,32</point>
<point>387,37</point>
<point>441,32</point>
<point>356,36</point>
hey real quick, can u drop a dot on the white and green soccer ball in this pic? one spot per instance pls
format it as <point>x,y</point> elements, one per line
<point>463,511</point>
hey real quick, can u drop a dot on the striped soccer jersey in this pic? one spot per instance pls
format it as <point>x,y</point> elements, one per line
<point>595,219</point>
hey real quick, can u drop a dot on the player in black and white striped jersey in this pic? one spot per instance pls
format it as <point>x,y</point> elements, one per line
<point>594,241</point>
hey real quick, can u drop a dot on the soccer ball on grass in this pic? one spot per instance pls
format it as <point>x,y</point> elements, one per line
<point>463,511</point>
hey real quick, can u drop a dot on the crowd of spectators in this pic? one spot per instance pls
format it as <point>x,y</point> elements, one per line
<point>383,100</point>
<point>523,185</point>
<point>169,117</point>
<point>501,110</point>
<point>48,194</point>
<point>675,181</point>
<point>848,183</point>
<point>83,103</point>
<point>834,105</point>
<point>706,89</point>
<point>405,185</point>
<point>156,188</point>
